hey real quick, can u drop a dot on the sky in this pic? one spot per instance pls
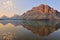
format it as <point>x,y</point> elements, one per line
<point>11,7</point>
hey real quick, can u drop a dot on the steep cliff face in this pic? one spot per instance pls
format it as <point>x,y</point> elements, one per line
<point>41,12</point>
<point>44,9</point>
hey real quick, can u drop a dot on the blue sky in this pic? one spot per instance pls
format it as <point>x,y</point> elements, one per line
<point>21,6</point>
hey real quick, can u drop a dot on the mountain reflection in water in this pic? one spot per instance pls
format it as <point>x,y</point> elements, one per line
<point>43,28</point>
<point>29,30</point>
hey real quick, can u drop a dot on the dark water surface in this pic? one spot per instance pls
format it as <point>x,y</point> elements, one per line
<point>29,30</point>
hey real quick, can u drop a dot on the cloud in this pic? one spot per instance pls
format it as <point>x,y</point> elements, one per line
<point>8,4</point>
<point>8,7</point>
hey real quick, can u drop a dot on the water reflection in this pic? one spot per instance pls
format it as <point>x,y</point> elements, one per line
<point>43,28</point>
<point>14,22</point>
<point>8,36</point>
<point>42,31</point>
<point>29,30</point>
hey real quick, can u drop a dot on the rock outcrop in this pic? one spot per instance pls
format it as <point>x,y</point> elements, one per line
<point>41,12</point>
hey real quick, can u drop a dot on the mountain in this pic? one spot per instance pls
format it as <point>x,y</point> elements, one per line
<point>4,17</point>
<point>41,12</point>
<point>15,17</point>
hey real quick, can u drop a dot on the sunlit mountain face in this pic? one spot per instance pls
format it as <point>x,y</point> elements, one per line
<point>42,11</point>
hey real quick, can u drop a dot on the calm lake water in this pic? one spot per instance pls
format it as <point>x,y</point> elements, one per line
<point>29,30</point>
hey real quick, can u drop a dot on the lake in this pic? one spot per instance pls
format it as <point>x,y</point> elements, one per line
<point>29,30</point>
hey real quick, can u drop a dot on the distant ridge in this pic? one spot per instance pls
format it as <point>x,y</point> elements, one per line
<point>42,11</point>
<point>13,17</point>
<point>4,17</point>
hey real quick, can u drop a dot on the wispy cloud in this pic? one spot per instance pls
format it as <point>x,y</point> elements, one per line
<point>8,4</point>
<point>11,7</point>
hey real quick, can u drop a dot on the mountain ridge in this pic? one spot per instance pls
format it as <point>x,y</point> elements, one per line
<point>13,17</point>
<point>42,11</point>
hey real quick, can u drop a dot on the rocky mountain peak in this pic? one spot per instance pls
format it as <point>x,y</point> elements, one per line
<point>43,8</point>
<point>42,11</point>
